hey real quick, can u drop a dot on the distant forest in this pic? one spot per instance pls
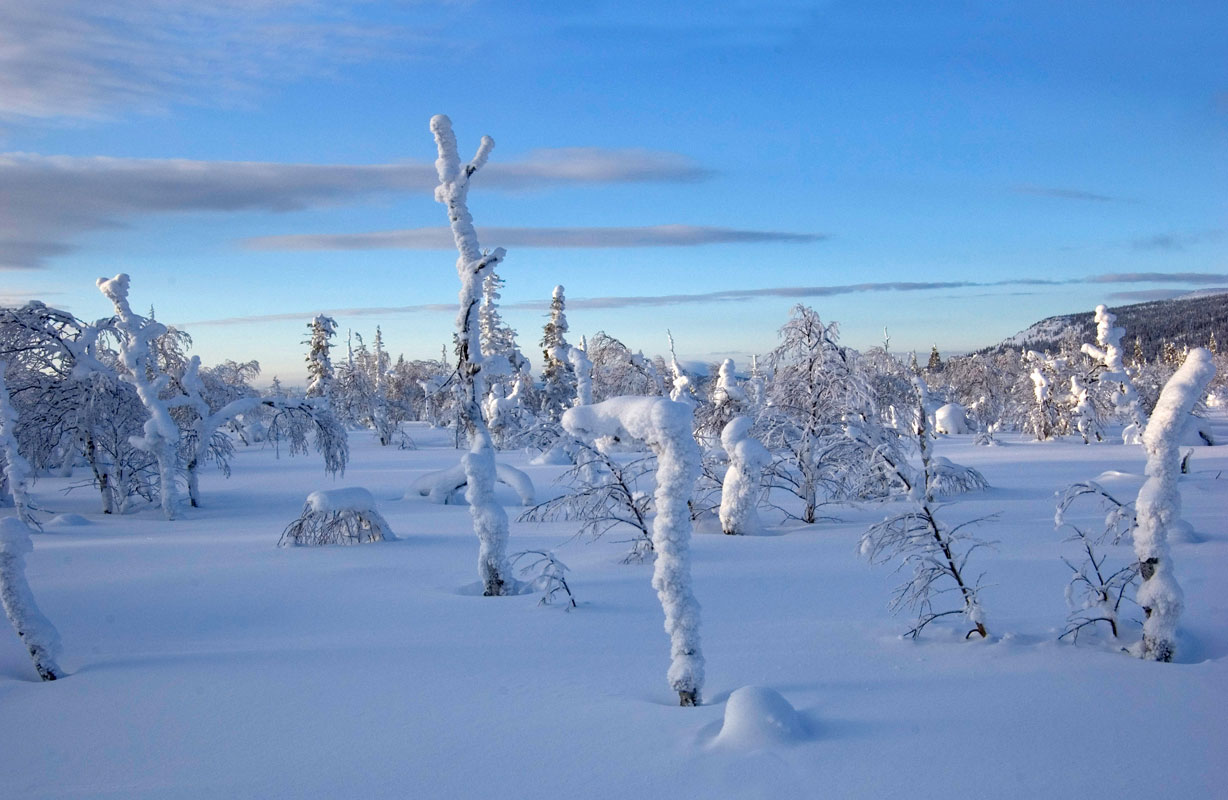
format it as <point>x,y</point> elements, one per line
<point>1183,322</point>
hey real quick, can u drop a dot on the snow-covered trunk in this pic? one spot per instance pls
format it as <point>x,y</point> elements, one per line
<point>161,433</point>
<point>666,427</point>
<point>1158,508</point>
<point>16,468</point>
<point>472,266</point>
<point>742,487</point>
<point>36,633</point>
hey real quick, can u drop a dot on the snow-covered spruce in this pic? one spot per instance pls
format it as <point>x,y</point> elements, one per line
<point>161,434</point>
<point>16,468</point>
<point>441,486</point>
<point>337,516</point>
<point>472,267</point>
<point>665,426</point>
<point>36,633</point>
<point>743,484</point>
<point>1107,350</point>
<point>1158,507</point>
<point>1085,418</point>
<point>319,365</point>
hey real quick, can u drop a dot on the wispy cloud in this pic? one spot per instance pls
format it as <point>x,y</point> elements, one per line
<point>1067,194</point>
<point>742,295</point>
<point>1204,278</point>
<point>441,238</point>
<point>1144,295</point>
<point>80,58</point>
<point>47,200</point>
<point>1174,242</point>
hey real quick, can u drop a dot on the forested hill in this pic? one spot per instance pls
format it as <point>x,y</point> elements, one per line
<point>1188,320</point>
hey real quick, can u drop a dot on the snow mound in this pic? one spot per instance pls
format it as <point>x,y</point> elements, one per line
<point>757,717</point>
<point>951,418</point>
<point>353,498</point>
<point>66,520</point>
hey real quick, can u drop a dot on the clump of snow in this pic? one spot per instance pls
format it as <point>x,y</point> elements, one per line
<point>951,418</point>
<point>441,486</point>
<point>68,520</point>
<point>353,498</point>
<point>757,717</point>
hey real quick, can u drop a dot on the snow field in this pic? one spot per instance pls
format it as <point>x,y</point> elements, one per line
<point>204,661</point>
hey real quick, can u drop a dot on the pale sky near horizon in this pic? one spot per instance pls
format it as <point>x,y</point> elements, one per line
<point>951,171</point>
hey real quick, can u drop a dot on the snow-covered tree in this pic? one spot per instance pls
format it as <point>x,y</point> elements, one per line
<point>472,267</point>
<point>1107,350</point>
<point>665,427</point>
<point>935,553</point>
<point>1158,507</point>
<point>617,371</point>
<point>742,488</point>
<point>558,379</point>
<point>16,468</point>
<point>319,365</point>
<point>161,434</point>
<point>1086,420</point>
<point>36,633</point>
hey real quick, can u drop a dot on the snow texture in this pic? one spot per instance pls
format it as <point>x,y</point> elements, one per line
<point>665,426</point>
<point>743,483</point>
<point>37,633</point>
<point>1158,507</point>
<point>757,718</point>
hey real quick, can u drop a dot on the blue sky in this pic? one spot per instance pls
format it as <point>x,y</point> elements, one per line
<point>952,171</point>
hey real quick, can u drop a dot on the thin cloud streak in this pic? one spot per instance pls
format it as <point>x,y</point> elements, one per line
<point>48,200</point>
<point>738,295</point>
<point>441,238</point>
<point>1067,194</point>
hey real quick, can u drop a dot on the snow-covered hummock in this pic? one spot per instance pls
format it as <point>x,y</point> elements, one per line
<point>16,468</point>
<point>665,426</point>
<point>472,266</point>
<point>1109,353</point>
<point>352,498</point>
<point>440,486</point>
<point>757,717</point>
<point>1158,508</point>
<point>161,432</point>
<point>951,418</point>
<point>36,632</point>
<point>742,486</point>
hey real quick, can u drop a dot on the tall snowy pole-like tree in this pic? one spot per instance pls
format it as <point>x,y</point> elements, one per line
<point>16,468</point>
<point>39,636</point>
<point>1158,507</point>
<point>472,266</point>
<point>665,426</point>
<point>161,438</point>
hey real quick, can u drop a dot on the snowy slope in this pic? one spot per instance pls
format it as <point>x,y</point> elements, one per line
<point>1185,320</point>
<point>205,662</point>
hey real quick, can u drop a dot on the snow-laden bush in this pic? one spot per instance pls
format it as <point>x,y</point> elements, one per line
<point>337,516</point>
<point>951,418</point>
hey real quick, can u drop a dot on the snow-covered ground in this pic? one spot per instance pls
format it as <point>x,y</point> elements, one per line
<point>206,662</point>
